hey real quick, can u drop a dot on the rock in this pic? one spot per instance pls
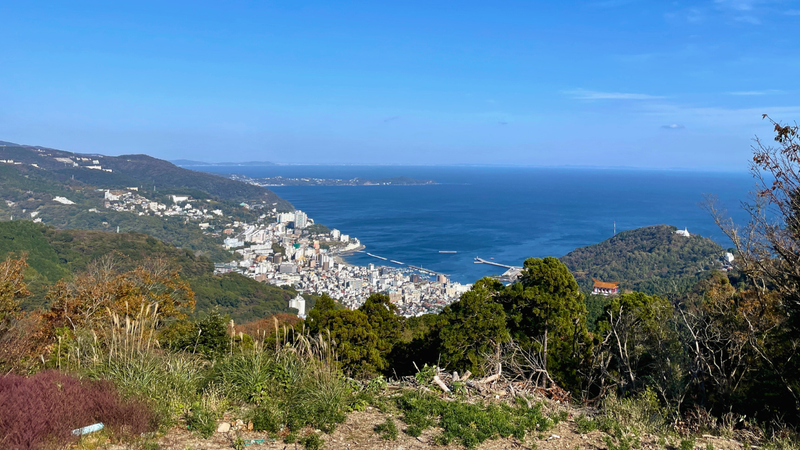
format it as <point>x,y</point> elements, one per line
<point>554,436</point>
<point>223,427</point>
<point>249,426</point>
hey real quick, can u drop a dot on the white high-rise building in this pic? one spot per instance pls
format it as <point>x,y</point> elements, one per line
<point>299,303</point>
<point>300,219</point>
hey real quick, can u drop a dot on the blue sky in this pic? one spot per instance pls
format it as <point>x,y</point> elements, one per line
<point>597,83</point>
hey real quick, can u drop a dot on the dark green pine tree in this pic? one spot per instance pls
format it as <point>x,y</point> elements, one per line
<point>546,313</point>
<point>474,327</point>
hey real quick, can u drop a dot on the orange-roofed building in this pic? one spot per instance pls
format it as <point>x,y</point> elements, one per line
<point>603,288</point>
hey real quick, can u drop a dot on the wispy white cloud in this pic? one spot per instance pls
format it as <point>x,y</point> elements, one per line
<point>673,126</point>
<point>718,118</point>
<point>737,5</point>
<point>582,94</point>
<point>751,93</point>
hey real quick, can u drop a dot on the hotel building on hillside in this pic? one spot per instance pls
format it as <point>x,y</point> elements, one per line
<point>603,288</point>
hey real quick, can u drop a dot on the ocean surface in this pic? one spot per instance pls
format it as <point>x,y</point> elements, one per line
<point>504,213</point>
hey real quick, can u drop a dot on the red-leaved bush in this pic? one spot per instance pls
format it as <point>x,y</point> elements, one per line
<point>46,407</point>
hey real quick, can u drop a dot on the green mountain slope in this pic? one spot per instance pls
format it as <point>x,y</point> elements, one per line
<point>139,170</point>
<point>27,190</point>
<point>652,259</point>
<point>33,179</point>
<point>54,254</point>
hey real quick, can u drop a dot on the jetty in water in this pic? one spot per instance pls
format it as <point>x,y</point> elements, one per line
<point>492,263</point>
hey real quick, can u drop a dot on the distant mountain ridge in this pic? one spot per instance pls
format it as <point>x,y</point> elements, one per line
<point>191,163</point>
<point>654,260</point>
<point>138,170</point>
<point>68,191</point>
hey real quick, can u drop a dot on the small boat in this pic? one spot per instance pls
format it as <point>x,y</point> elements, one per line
<point>447,251</point>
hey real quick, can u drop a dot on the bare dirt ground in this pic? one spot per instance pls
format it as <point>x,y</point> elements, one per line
<point>357,433</point>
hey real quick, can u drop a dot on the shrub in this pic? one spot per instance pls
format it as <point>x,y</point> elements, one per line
<point>470,424</point>
<point>292,388</point>
<point>312,442</point>
<point>49,405</point>
<point>642,413</point>
<point>201,419</point>
<point>387,429</point>
<point>584,424</point>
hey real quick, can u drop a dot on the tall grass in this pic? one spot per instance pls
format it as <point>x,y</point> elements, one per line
<point>286,380</point>
<point>293,386</point>
<point>126,353</point>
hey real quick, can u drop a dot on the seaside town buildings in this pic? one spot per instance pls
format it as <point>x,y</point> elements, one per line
<point>279,249</point>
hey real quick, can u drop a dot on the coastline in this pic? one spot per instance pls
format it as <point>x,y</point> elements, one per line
<point>338,259</point>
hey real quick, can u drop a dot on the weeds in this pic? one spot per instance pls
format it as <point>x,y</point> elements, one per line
<point>642,413</point>
<point>618,439</point>
<point>387,429</point>
<point>201,420</point>
<point>294,387</point>
<point>312,442</point>
<point>425,376</point>
<point>469,424</point>
<point>585,424</point>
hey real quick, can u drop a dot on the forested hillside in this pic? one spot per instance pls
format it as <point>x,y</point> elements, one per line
<point>652,259</point>
<point>54,255</point>
<point>139,170</point>
<point>66,190</point>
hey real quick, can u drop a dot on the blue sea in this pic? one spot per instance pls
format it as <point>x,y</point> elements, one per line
<point>504,213</point>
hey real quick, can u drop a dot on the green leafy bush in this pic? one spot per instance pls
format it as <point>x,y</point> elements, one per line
<point>312,442</point>
<point>469,424</point>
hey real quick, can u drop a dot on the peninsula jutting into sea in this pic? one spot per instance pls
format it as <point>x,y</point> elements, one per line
<point>309,181</point>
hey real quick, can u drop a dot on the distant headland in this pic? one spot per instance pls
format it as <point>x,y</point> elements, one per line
<point>308,181</point>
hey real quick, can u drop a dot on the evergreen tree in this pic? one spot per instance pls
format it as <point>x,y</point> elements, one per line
<point>474,327</point>
<point>546,314</point>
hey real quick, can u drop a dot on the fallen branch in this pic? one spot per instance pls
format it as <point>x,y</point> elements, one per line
<point>440,383</point>
<point>490,379</point>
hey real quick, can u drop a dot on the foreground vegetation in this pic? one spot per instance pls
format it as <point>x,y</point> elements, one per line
<point>719,358</point>
<point>54,256</point>
<point>132,330</point>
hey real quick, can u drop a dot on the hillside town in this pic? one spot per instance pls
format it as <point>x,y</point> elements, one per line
<point>286,248</point>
